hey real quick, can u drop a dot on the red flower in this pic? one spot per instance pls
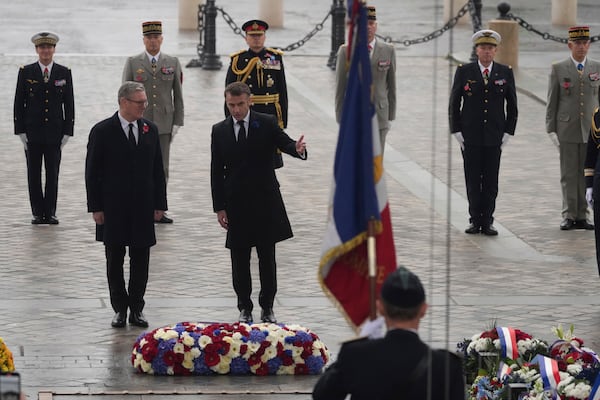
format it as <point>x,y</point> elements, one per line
<point>211,359</point>
<point>145,128</point>
<point>301,369</point>
<point>262,370</point>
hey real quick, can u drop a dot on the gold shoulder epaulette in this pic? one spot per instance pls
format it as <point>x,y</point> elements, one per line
<point>460,65</point>
<point>237,53</point>
<point>276,51</point>
<point>22,67</point>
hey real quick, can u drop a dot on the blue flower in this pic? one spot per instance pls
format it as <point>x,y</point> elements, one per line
<point>314,364</point>
<point>274,365</point>
<point>200,367</point>
<point>239,366</point>
<point>257,336</point>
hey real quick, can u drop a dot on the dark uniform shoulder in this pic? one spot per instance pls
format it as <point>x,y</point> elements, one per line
<point>237,53</point>
<point>596,120</point>
<point>275,51</point>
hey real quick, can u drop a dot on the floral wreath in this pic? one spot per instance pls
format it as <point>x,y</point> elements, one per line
<point>6,358</point>
<point>239,349</point>
<point>565,370</point>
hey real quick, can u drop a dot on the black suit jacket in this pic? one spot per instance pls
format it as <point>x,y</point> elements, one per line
<point>483,113</point>
<point>244,183</point>
<point>380,369</point>
<point>126,182</point>
<point>44,111</point>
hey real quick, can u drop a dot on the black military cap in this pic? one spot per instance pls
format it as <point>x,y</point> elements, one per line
<point>152,28</point>
<point>403,289</point>
<point>255,27</point>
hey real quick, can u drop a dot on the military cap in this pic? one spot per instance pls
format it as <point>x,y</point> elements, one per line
<point>486,36</point>
<point>579,33</point>
<point>371,13</point>
<point>255,27</point>
<point>44,38</point>
<point>152,27</point>
<point>402,289</point>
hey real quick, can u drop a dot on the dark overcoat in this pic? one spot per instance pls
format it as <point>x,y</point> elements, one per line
<point>126,182</point>
<point>44,111</point>
<point>483,113</point>
<point>382,369</point>
<point>244,183</point>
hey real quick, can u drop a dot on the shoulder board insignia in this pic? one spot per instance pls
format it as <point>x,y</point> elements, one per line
<point>510,67</point>
<point>237,53</point>
<point>276,51</point>
<point>22,67</point>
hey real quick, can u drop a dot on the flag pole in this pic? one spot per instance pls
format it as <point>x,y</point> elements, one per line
<point>372,259</point>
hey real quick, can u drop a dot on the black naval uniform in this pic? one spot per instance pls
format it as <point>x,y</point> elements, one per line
<point>592,176</point>
<point>263,72</point>
<point>45,111</point>
<point>483,112</point>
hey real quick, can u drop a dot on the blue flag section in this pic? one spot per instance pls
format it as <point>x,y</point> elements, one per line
<point>355,198</point>
<point>358,194</point>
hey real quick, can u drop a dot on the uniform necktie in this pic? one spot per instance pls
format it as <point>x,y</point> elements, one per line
<point>580,67</point>
<point>486,75</point>
<point>131,136</point>
<point>46,77</point>
<point>241,132</point>
<point>153,64</point>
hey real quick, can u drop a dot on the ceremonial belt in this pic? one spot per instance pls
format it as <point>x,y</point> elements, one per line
<point>268,99</point>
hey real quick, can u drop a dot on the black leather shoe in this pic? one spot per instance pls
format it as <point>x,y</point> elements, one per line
<point>583,224</point>
<point>567,224</point>
<point>165,220</point>
<point>119,319</point>
<point>137,318</point>
<point>37,220</point>
<point>246,317</point>
<point>473,229</point>
<point>489,230</point>
<point>267,315</point>
<point>51,220</point>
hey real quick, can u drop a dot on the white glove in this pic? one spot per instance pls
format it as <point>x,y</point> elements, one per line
<point>554,139</point>
<point>588,196</point>
<point>64,141</point>
<point>504,140</point>
<point>460,138</point>
<point>373,329</point>
<point>174,131</point>
<point>23,137</point>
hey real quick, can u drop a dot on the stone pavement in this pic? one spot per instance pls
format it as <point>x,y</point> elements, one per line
<point>54,309</point>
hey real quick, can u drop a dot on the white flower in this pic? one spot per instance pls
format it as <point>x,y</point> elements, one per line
<point>270,352</point>
<point>187,339</point>
<point>178,348</point>
<point>204,341</point>
<point>574,369</point>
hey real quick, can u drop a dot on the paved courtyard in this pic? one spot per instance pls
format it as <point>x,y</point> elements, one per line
<point>54,308</point>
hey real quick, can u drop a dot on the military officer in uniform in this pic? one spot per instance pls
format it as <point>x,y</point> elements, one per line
<point>261,68</point>
<point>383,70</point>
<point>162,77</point>
<point>44,116</point>
<point>483,116</point>
<point>572,97</point>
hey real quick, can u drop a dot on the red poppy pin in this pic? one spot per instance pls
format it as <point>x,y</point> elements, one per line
<point>145,128</point>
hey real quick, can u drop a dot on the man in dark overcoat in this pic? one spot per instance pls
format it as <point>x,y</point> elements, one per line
<point>396,366</point>
<point>126,192</point>
<point>246,196</point>
<point>44,116</point>
<point>483,115</point>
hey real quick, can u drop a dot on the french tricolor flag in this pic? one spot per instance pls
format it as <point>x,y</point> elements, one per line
<point>548,371</point>
<point>503,370</point>
<point>508,342</point>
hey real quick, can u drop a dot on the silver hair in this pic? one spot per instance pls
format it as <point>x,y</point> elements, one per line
<point>128,88</point>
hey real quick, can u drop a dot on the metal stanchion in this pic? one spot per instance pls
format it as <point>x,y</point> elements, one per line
<point>211,59</point>
<point>338,14</point>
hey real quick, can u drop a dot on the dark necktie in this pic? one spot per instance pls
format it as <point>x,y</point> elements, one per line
<point>131,136</point>
<point>486,75</point>
<point>241,133</point>
<point>580,67</point>
<point>153,64</point>
<point>46,75</point>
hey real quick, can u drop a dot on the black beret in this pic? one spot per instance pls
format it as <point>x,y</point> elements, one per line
<point>402,289</point>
